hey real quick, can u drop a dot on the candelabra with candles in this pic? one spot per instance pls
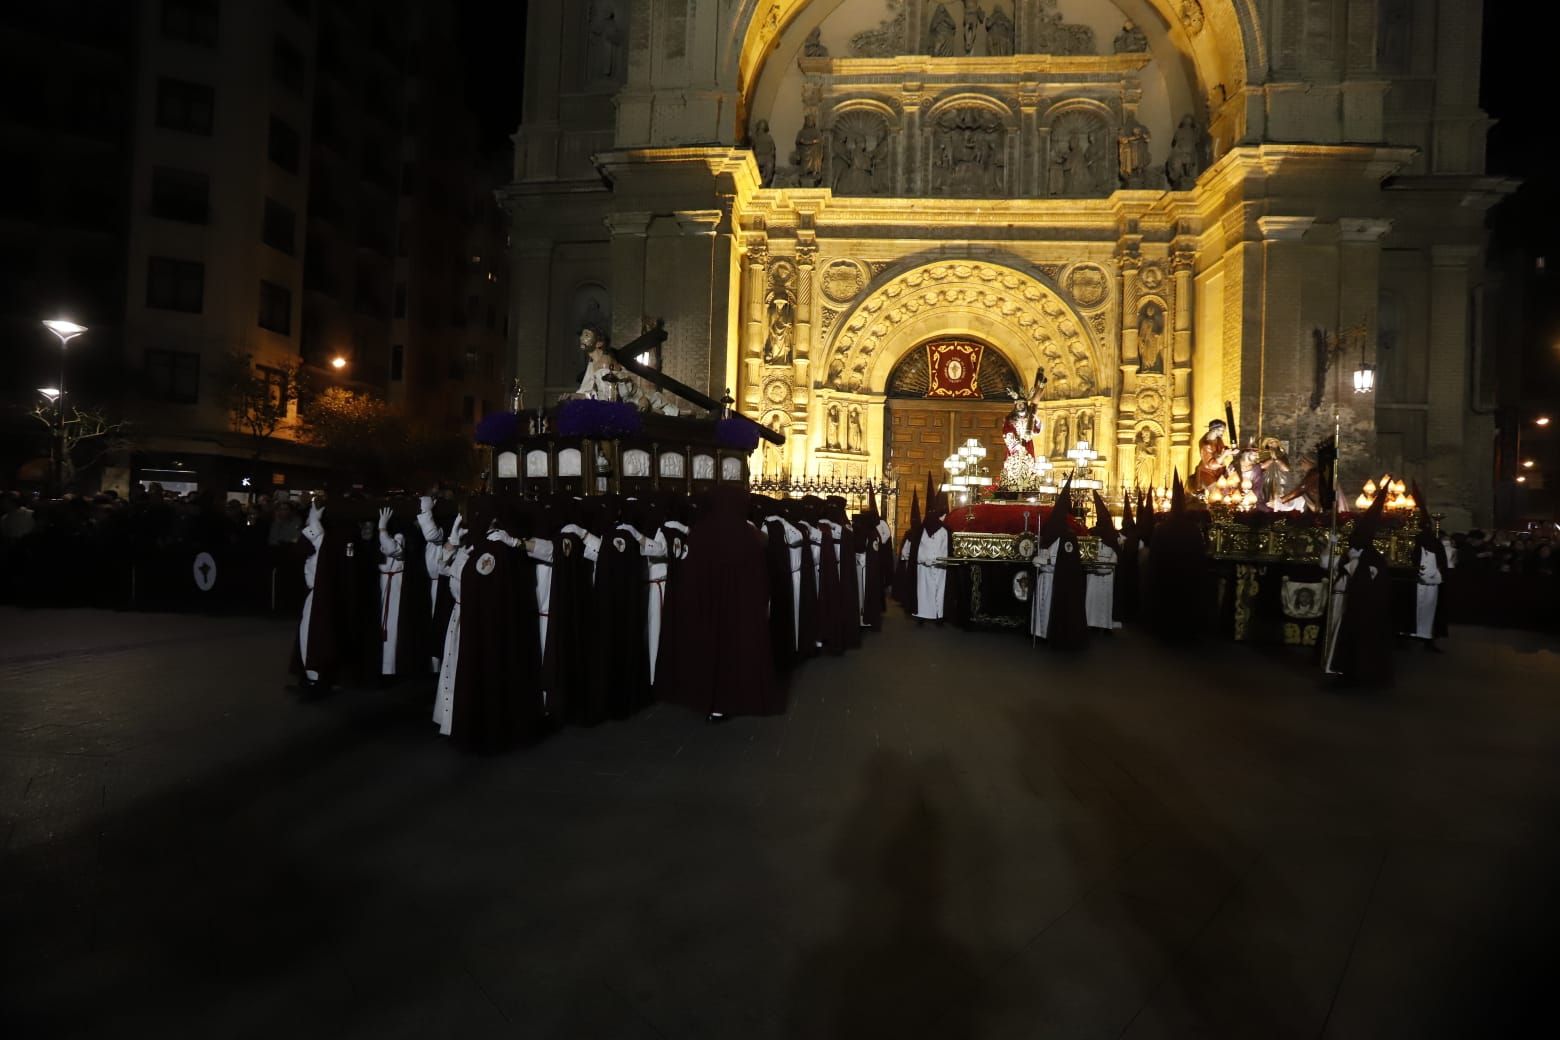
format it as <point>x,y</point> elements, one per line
<point>967,473</point>
<point>822,487</point>
<point>1399,501</point>
<point>1083,458</point>
<point>1230,494</point>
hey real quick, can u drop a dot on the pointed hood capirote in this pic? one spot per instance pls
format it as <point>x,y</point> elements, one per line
<point>1056,521</point>
<point>1103,526</point>
<point>1177,495</point>
<point>1369,522</point>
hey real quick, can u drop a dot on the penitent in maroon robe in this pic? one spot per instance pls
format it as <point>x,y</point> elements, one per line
<point>719,659</point>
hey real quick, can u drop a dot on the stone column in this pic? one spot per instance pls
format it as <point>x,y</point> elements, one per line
<point>911,100</point>
<point>1450,457</point>
<point>1359,301</point>
<point>1271,389</point>
<point>1027,181</point>
<point>1181,264</point>
<point>629,231</point>
<point>530,299</point>
<point>757,286</point>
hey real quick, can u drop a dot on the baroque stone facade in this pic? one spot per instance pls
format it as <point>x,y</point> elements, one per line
<point>807,192</point>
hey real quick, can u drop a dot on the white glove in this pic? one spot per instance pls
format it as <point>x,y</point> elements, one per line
<point>457,529</point>
<point>425,504</point>
<point>384,518</point>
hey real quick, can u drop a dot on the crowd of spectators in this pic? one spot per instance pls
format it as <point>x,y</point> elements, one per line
<point>140,552</point>
<point>1506,578</point>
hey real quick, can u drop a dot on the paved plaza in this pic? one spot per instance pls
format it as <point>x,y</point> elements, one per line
<point>948,835</point>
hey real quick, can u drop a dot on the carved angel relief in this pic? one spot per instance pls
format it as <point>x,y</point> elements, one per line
<point>967,157</point>
<point>863,154</point>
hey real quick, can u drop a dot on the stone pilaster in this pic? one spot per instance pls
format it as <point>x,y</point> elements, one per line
<point>1276,377</point>
<point>1451,459</point>
<point>629,235</point>
<point>530,292</point>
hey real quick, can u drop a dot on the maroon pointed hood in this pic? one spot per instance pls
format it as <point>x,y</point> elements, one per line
<point>915,510</point>
<point>1177,495</point>
<point>1056,522</point>
<point>1369,522</point>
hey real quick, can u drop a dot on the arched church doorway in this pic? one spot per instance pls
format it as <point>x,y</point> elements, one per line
<point>940,394</point>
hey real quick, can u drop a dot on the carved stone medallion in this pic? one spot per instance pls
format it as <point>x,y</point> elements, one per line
<point>1088,285</point>
<point>777,391</point>
<point>843,280</point>
<point>1149,402</point>
<point>1152,276</point>
<point>1192,16</point>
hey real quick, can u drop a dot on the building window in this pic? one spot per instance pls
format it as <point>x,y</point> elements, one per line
<point>280,227</point>
<point>397,362</point>
<point>276,387</point>
<point>487,364</point>
<point>172,376</point>
<point>468,408</point>
<point>284,146</point>
<point>190,21</point>
<point>276,308</point>
<point>287,64</point>
<point>175,285</point>
<point>470,368</point>
<point>400,300</point>
<point>186,107</point>
<point>180,195</point>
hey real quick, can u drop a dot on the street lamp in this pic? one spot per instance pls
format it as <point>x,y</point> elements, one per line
<point>338,362</point>
<point>64,331</point>
<point>1542,420</point>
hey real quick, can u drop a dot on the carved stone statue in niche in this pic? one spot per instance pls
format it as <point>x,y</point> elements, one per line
<point>1187,157</point>
<point>1151,338</point>
<point>780,312</point>
<point>1130,40</point>
<point>1145,460</point>
<point>863,155</point>
<point>967,153</point>
<point>832,429</point>
<point>808,157</point>
<point>1132,155</point>
<point>999,34</point>
<point>1059,441</point>
<point>1086,426</point>
<point>813,46</point>
<point>1079,160</point>
<point>974,29</point>
<point>604,48</point>
<point>855,439</point>
<point>774,454</point>
<point>764,152</point>
<point>1072,165</point>
<point>940,33</point>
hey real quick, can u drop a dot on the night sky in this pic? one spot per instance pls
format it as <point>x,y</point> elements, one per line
<point>492,38</point>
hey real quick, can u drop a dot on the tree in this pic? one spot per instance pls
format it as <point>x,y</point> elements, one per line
<point>361,431</point>
<point>89,436</point>
<point>258,398</point>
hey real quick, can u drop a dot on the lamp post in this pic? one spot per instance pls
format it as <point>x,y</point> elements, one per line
<point>64,331</point>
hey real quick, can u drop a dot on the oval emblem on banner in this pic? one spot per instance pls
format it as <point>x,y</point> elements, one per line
<point>955,370</point>
<point>485,564</point>
<point>205,570</point>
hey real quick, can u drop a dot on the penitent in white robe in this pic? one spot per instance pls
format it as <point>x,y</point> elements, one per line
<point>1099,590</point>
<point>444,697</point>
<point>793,545</point>
<point>392,572</point>
<point>315,533</point>
<point>433,556</point>
<point>1340,596</point>
<point>931,580</point>
<point>1427,595</point>
<point>1045,581</point>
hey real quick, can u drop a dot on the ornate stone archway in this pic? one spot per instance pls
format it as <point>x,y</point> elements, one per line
<point>1029,319</point>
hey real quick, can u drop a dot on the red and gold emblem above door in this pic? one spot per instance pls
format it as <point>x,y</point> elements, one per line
<point>954,367</point>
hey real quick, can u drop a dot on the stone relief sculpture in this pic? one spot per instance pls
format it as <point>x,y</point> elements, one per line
<point>1151,338</point>
<point>1192,16</point>
<point>774,454</point>
<point>764,152</point>
<point>855,439</point>
<point>863,155</point>
<point>1086,426</point>
<point>832,429</point>
<point>1080,163</point>
<point>604,46</point>
<point>1130,40</point>
<point>808,156</point>
<point>1186,155</point>
<point>780,313</point>
<point>1081,366</point>
<point>885,41</point>
<point>974,29</point>
<point>967,153</point>
<point>1058,37</point>
<point>940,33</point>
<point>1059,441</point>
<point>813,46</point>
<point>999,34</point>
<point>1132,155</point>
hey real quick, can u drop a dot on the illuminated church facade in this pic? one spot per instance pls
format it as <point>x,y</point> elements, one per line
<point>872,221</point>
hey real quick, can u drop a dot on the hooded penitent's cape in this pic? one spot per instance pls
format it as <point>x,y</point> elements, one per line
<point>1068,627</point>
<point>1363,654</point>
<point>1178,572</point>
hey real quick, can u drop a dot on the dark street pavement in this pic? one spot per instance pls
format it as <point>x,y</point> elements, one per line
<point>948,835</point>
